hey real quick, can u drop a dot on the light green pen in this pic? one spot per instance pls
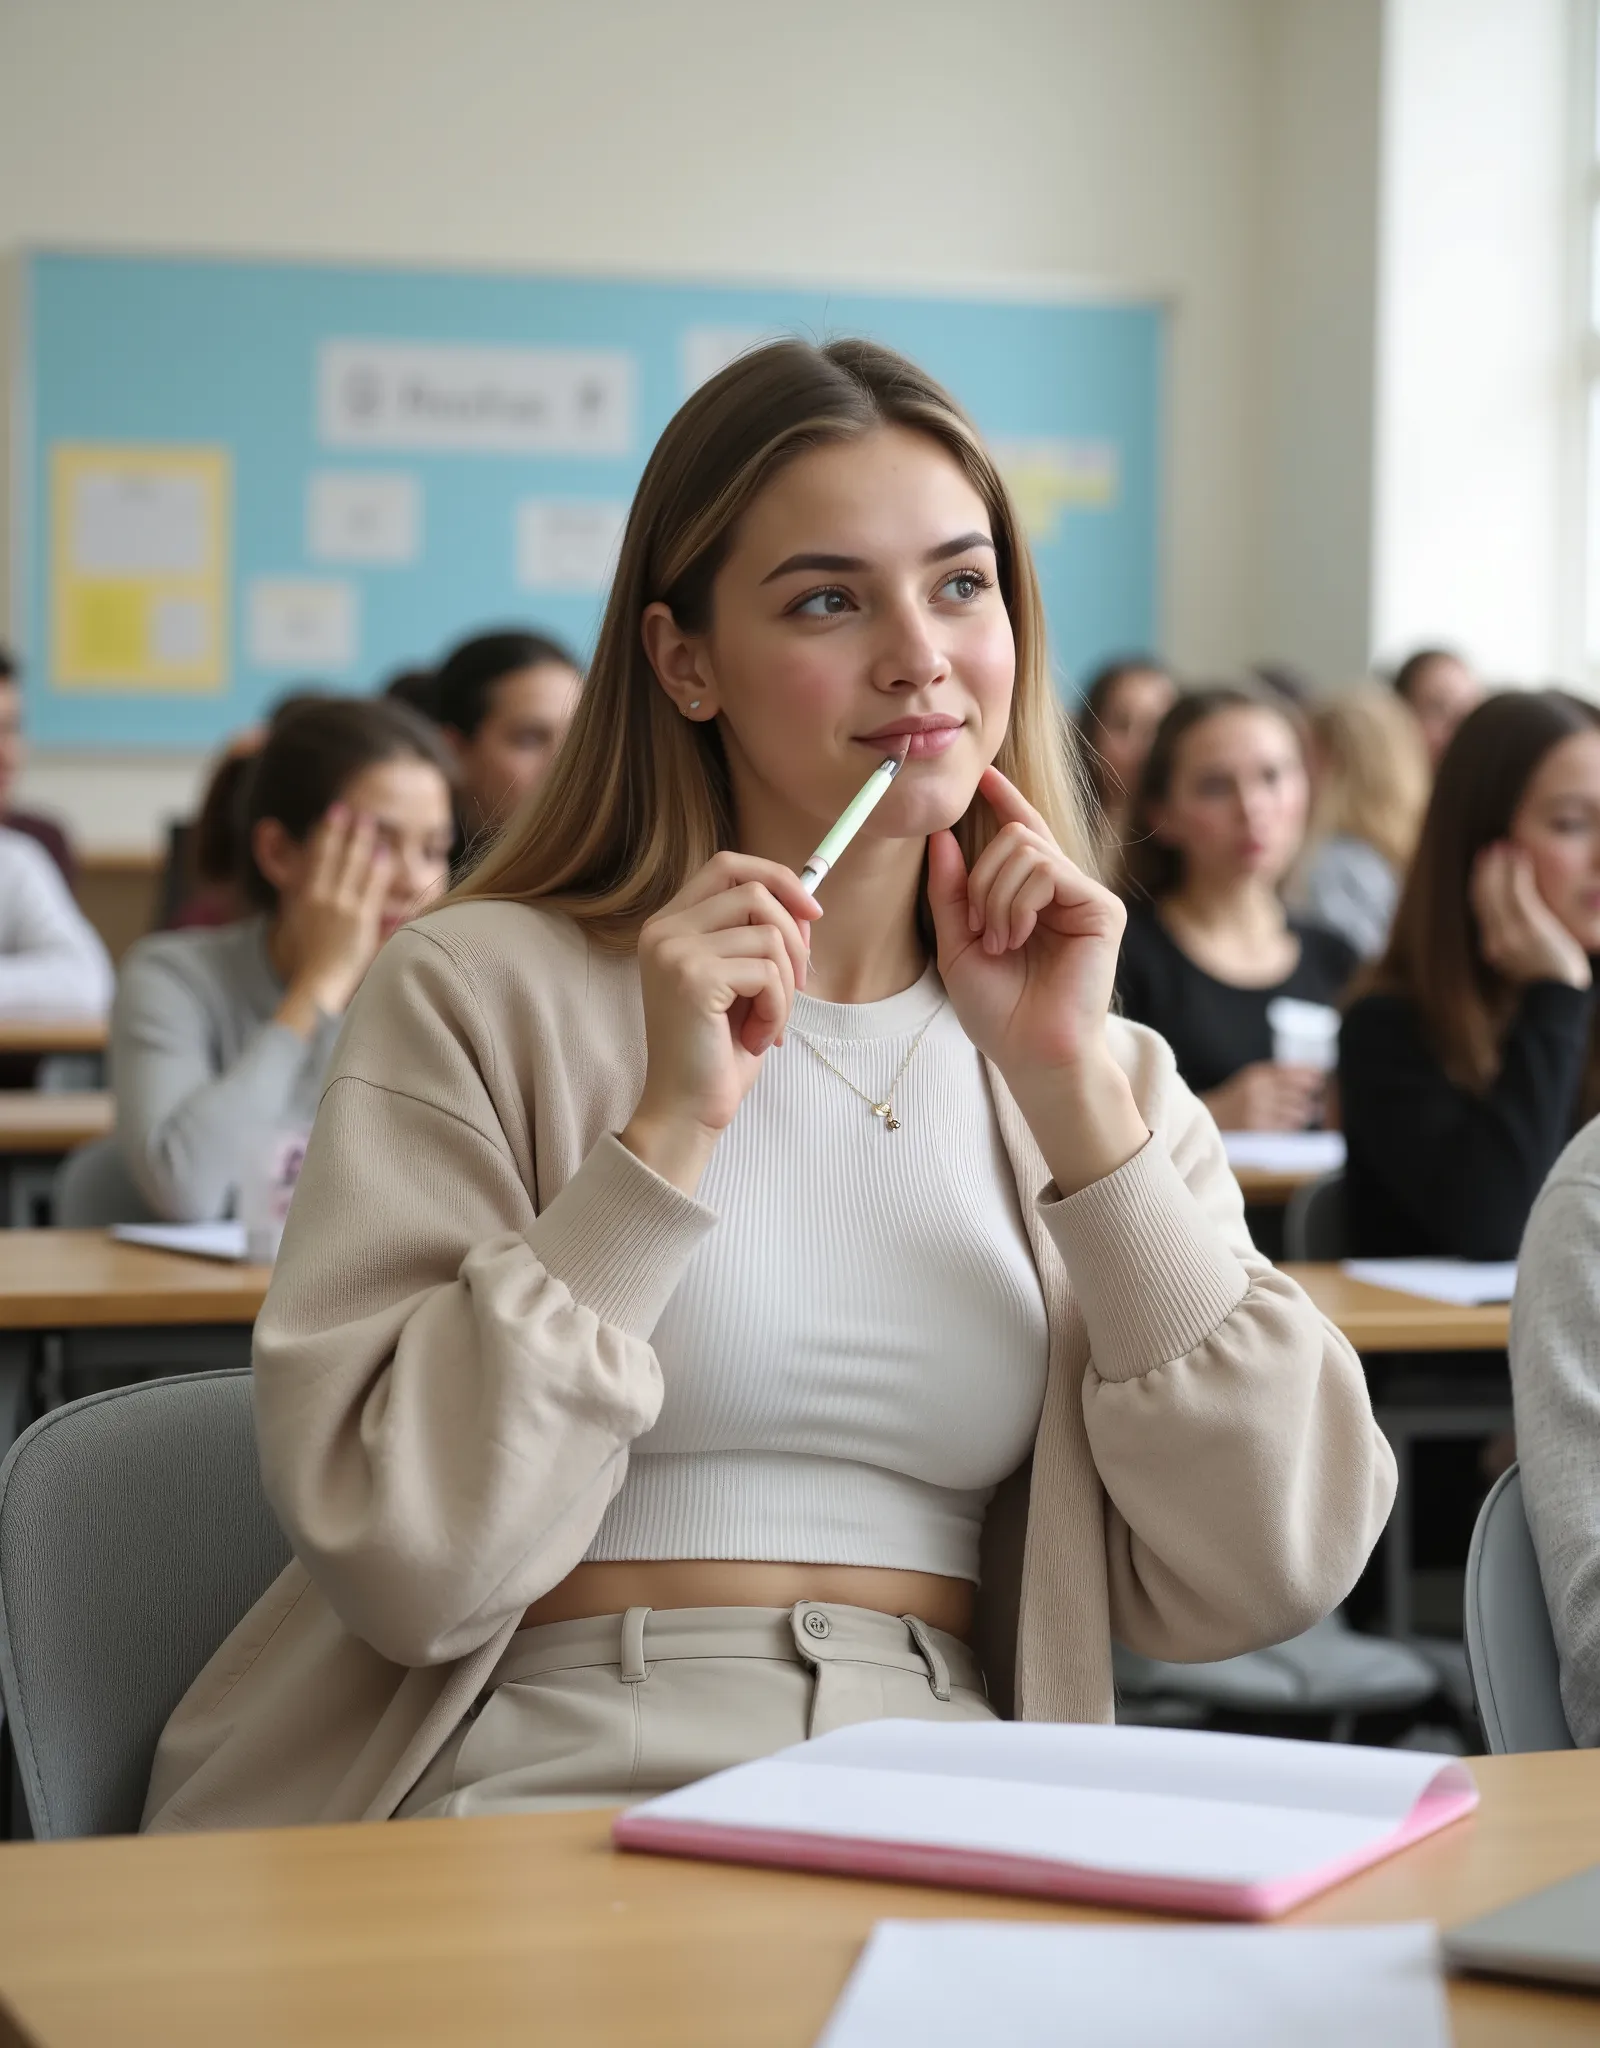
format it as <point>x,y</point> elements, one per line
<point>852,818</point>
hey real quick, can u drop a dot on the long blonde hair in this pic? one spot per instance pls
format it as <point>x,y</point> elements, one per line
<point>639,797</point>
<point>1371,774</point>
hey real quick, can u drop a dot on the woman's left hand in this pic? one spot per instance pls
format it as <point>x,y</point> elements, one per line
<point>1028,954</point>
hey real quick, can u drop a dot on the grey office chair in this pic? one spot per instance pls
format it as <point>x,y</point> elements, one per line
<point>133,1535</point>
<point>1313,1223</point>
<point>1511,1650</point>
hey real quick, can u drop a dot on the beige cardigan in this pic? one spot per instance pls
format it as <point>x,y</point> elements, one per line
<point>454,1358</point>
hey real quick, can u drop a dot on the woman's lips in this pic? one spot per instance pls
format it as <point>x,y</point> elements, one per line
<point>919,746</point>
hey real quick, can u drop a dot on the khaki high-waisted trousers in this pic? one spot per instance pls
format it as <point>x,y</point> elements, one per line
<point>585,1713</point>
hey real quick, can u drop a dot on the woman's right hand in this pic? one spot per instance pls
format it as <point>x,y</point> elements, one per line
<point>718,969</point>
<point>1267,1097</point>
<point>332,928</point>
<point>1521,936</point>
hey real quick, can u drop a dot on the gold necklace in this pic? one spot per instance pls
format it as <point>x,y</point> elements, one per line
<point>883,1110</point>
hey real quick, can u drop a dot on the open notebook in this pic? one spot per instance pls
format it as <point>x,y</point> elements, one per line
<point>1237,1826</point>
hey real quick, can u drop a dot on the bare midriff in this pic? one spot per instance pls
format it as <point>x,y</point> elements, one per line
<point>715,1582</point>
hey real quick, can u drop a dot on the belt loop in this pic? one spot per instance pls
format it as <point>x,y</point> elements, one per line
<point>631,1653</point>
<point>938,1670</point>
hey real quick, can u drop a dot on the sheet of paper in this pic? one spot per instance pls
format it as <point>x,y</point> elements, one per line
<point>951,1983</point>
<point>1308,1152</point>
<point>1460,1282</point>
<point>302,623</point>
<point>1178,1803</point>
<point>569,543</point>
<point>371,516</point>
<point>139,566</point>
<point>481,401</point>
<point>205,1240</point>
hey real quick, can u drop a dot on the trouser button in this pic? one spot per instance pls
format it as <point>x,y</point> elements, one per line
<point>816,1624</point>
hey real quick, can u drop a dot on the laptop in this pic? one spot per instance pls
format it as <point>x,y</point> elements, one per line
<point>1551,1936</point>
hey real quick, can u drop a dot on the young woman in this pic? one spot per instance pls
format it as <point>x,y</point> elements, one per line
<point>220,1038</point>
<point>1439,690</point>
<point>1371,778</point>
<point>670,1316</point>
<point>1117,721</point>
<point>1217,824</point>
<point>1467,1066</point>
<point>505,701</point>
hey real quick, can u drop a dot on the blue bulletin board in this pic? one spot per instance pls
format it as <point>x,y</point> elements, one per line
<point>239,476</point>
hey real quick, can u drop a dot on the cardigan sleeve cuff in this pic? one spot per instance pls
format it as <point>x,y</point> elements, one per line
<point>618,1237</point>
<point>1151,1272</point>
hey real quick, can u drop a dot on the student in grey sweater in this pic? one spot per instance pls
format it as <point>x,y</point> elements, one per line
<point>220,1038</point>
<point>1555,1377</point>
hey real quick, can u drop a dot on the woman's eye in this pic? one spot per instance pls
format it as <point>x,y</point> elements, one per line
<point>822,604</point>
<point>964,585</point>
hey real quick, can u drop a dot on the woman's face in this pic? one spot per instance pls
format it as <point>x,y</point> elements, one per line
<point>1441,697</point>
<point>408,802</point>
<point>1236,807</point>
<point>858,606</point>
<point>1558,825</point>
<point>1122,735</point>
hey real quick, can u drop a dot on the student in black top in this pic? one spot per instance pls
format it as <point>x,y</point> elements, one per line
<point>1470,1061</point>
<point>1217,823</point>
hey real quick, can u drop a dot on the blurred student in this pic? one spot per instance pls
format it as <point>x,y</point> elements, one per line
<point>13,757</point>
<point>1441,691</point>
<point>1117,720</point>
<point>505,701</point>
<point>208,887</point>
<point>1555,1382</point>
<point>1371,788</point>
<point>220,1038</point>
<point>1217,823</point>
<point>414,687</point>
<point>52,962</point>
<point>1468,1064</point>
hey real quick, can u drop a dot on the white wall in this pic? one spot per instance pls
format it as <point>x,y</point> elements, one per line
<point>1477,343</point>
<point>1319,310</point>
<point>880,139</point>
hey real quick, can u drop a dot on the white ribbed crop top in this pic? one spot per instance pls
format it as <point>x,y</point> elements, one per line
<point>855,1356</point>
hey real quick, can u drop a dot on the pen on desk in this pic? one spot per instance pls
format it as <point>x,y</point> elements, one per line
<point>852,818</point>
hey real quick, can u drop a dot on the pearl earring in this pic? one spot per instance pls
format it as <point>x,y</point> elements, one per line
<point>694,703</point>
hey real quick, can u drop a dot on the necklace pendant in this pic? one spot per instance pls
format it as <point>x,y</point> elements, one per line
<point>891,1122</point>
<point>882,1109</point>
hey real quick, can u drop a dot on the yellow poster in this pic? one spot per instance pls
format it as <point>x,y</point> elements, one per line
<point>140,541</point>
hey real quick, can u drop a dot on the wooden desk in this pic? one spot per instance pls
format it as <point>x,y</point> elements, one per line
<point>116,1306</point>
<point>45,1035</point>
<point>1380,1319</point>
<point>38,1128</point>
<point>533,1929</point>
<point>1269,1187</point>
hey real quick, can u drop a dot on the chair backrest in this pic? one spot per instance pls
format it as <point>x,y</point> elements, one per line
<point>1511,1650</point>
<point>1314,1222</point>
<point>93,1187</point>
<point>133,1535</point>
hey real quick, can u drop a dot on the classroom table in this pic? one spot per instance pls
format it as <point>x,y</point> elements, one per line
<point>531,1928</point>
<point>38,1128</point>
<point>78,1301</point>
<point>45,1035</point>
<point>1383,1319</point>
<point>1270,1187</point>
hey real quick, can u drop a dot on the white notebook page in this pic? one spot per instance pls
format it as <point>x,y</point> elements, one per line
<point>953,1983</point>
<point>1464,1283</point>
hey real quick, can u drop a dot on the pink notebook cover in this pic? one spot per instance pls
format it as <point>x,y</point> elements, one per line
<point>1037,1877</point>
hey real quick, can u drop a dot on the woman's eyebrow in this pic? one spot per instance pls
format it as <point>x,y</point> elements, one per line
<point>846,564</point>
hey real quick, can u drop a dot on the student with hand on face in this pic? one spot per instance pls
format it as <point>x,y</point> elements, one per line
<point>1439,690</point>
<point>1117,720</point>
<point>221,1038</point>
<point>1217,824</point>
<point>1470,1061</point>
<point>505,701</point>
<point>689,1281</point>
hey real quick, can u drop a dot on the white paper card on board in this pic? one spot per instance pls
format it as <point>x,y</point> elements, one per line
<point>301,622</point>
<point>484,401</point>
<point>372,516</point>
<point>128,522</point>
<point>180,630</point>
<point>706,350</point>
<point>950,1983</point>
<point>567,543</point>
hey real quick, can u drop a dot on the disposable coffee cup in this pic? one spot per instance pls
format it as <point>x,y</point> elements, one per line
<point>267,1191</point>
<point>1304,1034</point>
